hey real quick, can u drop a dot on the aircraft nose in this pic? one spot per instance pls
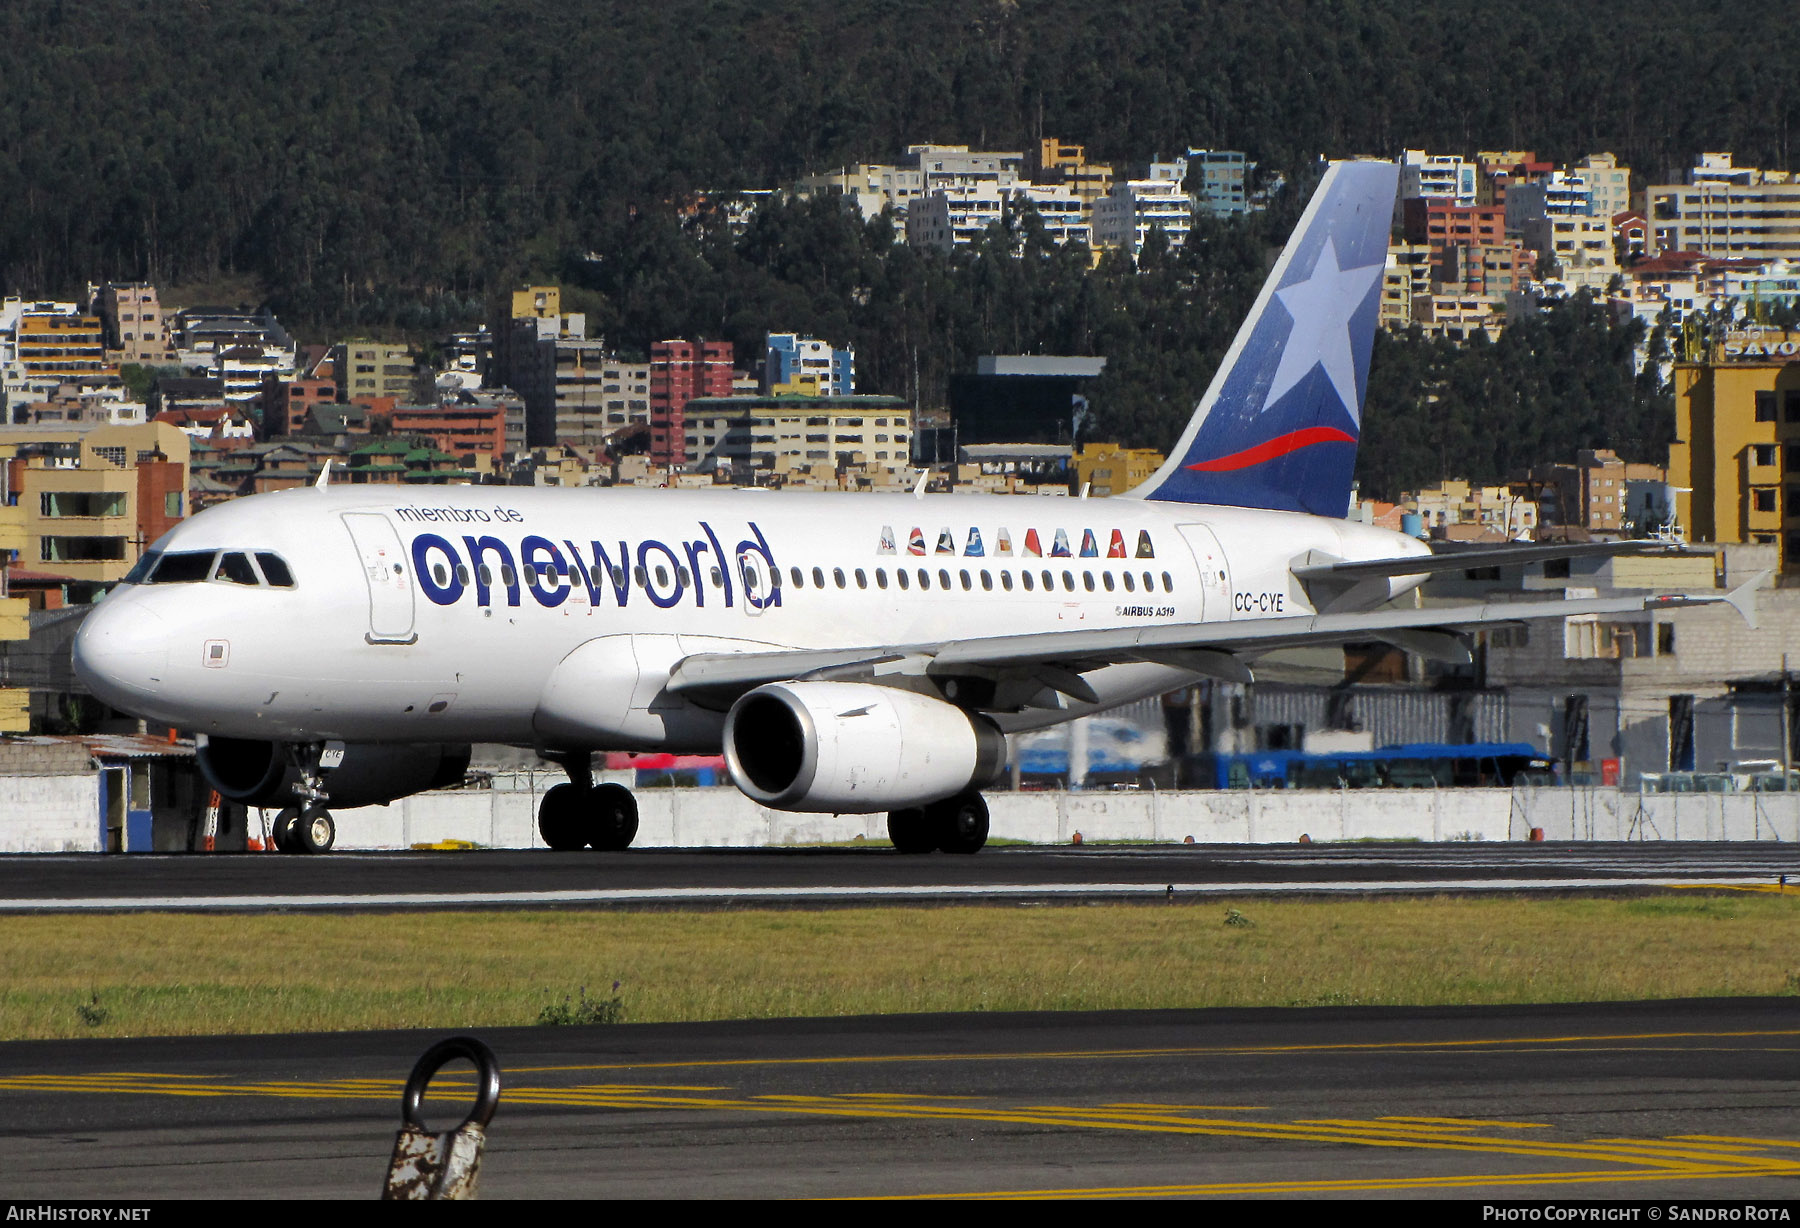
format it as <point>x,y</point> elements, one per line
<point>122,653</point>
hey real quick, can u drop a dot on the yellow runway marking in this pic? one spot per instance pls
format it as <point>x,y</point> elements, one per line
<point>1534,1043</point>
<point>1593,1160</point>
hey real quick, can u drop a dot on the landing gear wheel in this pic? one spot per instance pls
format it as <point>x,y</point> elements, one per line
<point>911,831</point>
<point>314,832</point>
<point>282,831</point>
<point>560,818</point>
<point>961,823</point>
<point>612,818</point>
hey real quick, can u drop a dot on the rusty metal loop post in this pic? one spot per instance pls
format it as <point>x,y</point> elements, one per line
<point>434,1059</point>
<point>443,1166</point>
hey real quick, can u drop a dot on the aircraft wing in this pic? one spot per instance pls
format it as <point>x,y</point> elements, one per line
<point>1465,560</point>
<point>1216,648</point>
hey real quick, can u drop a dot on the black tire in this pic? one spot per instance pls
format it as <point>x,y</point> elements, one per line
<point>961,823</point>
<point>560,819</point>
<point>911,831</point>
<point>282,832</point>
<point>612,818</point>
<point>315,831</point>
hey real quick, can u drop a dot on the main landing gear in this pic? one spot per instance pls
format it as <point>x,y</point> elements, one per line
<point>956,825</point>
<point>582,814</point>
<point>308,826</point>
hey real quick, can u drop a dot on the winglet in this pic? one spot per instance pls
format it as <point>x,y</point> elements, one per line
<point>324,475</point>
<point>1743,597</point>
<point>919,486</point>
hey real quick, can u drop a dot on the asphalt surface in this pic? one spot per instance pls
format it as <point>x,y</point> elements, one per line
<point>1640,1101</point>
<point>811,877</point>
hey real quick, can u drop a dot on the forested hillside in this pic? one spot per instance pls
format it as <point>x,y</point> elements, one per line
<point>390,162</point>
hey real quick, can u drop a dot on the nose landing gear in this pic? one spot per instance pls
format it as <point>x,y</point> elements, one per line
<point>582,814</point>
<point>308,827</point>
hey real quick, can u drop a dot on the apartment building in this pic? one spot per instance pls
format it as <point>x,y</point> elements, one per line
<point>94,500</point>
<point>1726,210</point>
<point>750,435</point>
<point>369,369</point>
<point>1107,469</point>
<point>805,366</point>
<point>134,323</point>
<point>1447,178</point>
<point>681,371</point>
<point>1735,462</point>
<point>1061,164</point>
<point>1124,217</point>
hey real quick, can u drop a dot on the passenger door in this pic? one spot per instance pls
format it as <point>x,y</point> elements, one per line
<point>387,572</point>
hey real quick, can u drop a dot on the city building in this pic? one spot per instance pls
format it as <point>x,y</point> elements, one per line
<point>752,437</point>
<point>1456,510</point>
<point>1124,217</point>
<point>1061,164</point>
<point>1448,178</point>
<point>1107,469</point>
<point>1591,494</point>
<point>1735,462</point>
<point>805,366</point>
<point>368,369</point>
<point>872,187</point>
<point>95,499</point>
<point>680,371</point>
<point>1608,183</point>
<point>15,610</point>
<point>46,344</point>
<point>1218,181</point>
<point>467,426</point>
<point>1725,210</point>
<point>286,402</point>
<point>133,321</point>
<point>1440,224</point>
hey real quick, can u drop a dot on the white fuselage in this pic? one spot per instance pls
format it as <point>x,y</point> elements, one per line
<point>389,633</point>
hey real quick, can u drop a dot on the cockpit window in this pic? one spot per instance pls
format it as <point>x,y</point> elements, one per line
<point>140,570</point>
<point>235,567</point>
<point>184,568</point>
<point>275,570</point>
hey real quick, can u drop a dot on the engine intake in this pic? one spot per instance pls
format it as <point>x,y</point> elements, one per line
<point>255,773</point>
<point>856,748</point>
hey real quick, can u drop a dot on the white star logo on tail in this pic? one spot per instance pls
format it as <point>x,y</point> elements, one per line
<point>1321,308</point>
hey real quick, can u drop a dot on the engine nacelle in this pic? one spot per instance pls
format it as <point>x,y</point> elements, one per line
<point>261,773</point>
<point>856,748</point>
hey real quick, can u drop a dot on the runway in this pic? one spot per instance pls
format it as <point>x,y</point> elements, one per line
<point>810,877</point>
<point>1650,1100</point>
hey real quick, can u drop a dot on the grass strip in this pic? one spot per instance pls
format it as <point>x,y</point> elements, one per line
<point>148,974</point>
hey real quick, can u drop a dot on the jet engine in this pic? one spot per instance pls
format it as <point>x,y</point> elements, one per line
<point>856,748</point>
<point>263,773</point>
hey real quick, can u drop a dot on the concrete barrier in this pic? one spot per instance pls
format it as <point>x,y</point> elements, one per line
<point>61,813</point>
<point>725,818</point>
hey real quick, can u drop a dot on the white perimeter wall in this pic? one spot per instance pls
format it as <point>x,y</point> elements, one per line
<point>702,818</point>
<point>50,814</point>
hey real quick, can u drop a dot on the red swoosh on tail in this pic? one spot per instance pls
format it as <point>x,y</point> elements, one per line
<point>1281,445</point>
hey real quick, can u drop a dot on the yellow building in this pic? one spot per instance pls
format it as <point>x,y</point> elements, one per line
<point>66,348</point>
<point>1108,469</point>
<point>14,611</point>
<point>93,501</point>
<point>1737,437</point>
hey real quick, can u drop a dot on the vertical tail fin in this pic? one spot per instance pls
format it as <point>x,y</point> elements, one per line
<point>1278,426</point>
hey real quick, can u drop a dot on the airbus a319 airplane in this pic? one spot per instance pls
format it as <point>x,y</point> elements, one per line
<point>853,654</point>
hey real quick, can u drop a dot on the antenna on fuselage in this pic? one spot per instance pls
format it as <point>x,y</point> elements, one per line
<point>324,475</point>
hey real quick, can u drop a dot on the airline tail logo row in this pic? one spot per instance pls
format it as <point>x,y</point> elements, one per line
<point>1279,425</point>
<point>1031,547</point>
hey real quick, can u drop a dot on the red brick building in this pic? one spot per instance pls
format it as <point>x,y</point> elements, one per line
<point>679,372</point>
<point>285,402</point>
<point>1445,225</point>
<point>459,430</point>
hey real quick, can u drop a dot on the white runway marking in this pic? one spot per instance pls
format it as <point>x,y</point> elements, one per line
<point>729,895</point>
